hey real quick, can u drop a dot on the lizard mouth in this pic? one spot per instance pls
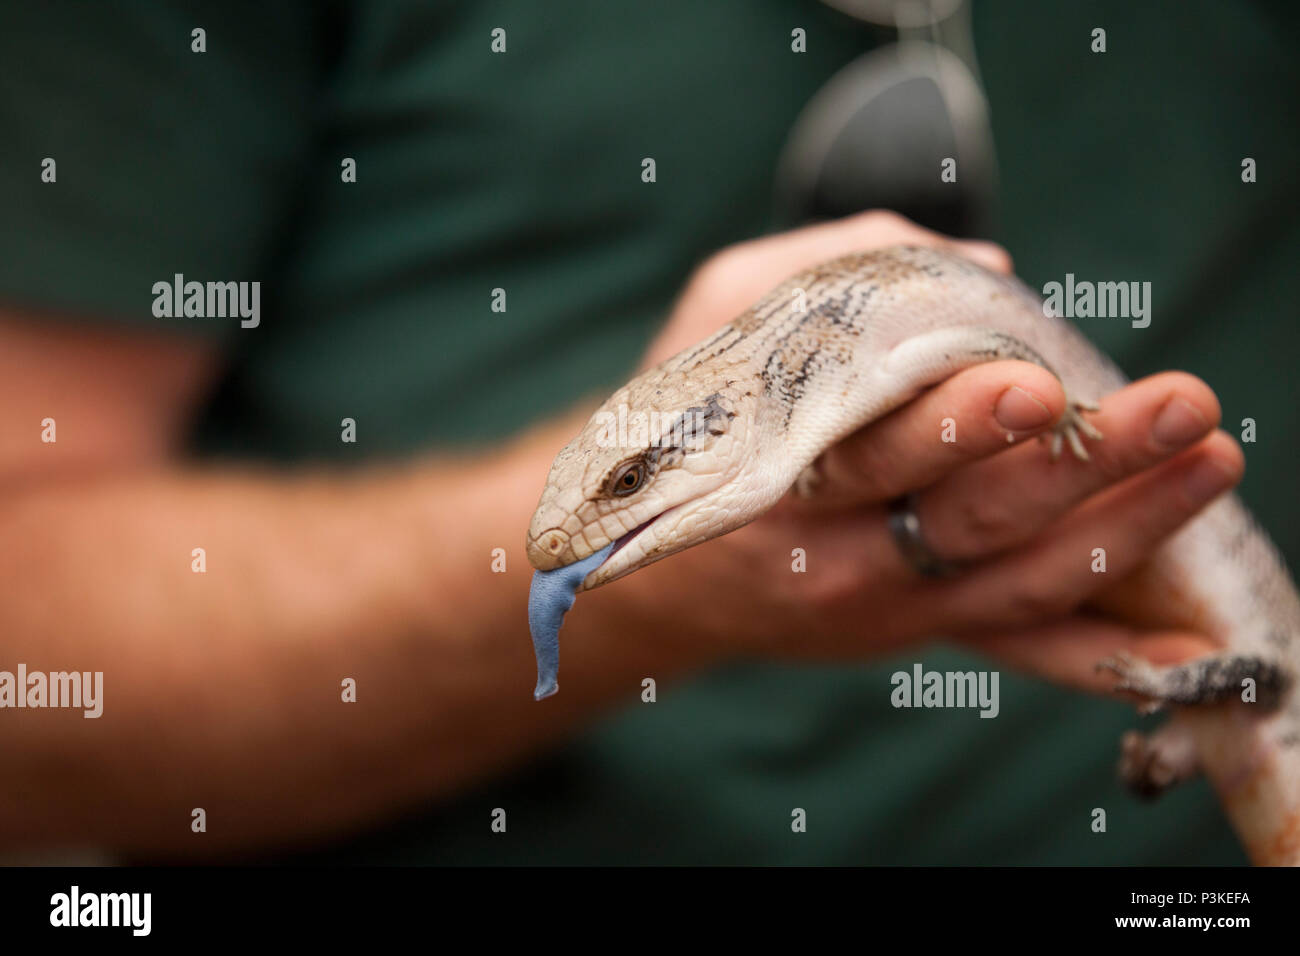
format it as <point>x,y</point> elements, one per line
<point>617,564</point>
<point>611,569</point>
<point>620,543</point>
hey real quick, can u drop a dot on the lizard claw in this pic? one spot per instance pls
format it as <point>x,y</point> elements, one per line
<point>1071,426</point>
<point>805,486</point>
<point>1135,677</point>
<point>1119,663</point>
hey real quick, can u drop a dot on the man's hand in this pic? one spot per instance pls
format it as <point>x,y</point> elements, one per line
<point>1023,528</point>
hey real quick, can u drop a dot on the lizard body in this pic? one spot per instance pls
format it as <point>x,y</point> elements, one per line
<point>743,414</point>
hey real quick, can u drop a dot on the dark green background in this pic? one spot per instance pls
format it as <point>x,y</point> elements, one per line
<point>522,171</point>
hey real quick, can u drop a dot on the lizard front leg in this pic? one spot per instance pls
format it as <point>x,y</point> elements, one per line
<point>932,357</point>
<point>928,359</point>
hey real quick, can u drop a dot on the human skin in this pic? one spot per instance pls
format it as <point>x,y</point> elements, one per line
<point>222,690</point>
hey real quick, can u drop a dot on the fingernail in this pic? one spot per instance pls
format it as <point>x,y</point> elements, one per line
<point>1207,480</point>
<point>1178,423</point>
<point>988,254</point>
<point>1019,411</point>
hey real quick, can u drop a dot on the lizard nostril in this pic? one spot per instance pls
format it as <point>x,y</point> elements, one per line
<point>553,541</point>
<point>546,552</point>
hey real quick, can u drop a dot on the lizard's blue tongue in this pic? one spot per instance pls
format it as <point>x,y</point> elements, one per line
<point>549,599</point>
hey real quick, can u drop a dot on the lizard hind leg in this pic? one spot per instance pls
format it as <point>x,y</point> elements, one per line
<point>1212,679</point>
<point>1150,765</point>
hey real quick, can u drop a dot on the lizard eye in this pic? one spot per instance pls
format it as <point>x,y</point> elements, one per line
<point>628,479</point>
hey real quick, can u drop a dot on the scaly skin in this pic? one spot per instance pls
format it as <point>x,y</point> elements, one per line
<point>738,417</point>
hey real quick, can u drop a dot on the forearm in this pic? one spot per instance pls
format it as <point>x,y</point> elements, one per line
<point>223,689</point>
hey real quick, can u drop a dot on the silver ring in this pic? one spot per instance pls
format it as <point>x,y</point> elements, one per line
<point>905,526</point>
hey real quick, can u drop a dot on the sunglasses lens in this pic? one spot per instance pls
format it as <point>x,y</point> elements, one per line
<point>890,133</point>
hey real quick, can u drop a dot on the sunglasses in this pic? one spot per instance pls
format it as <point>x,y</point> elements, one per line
<point>904,127</point>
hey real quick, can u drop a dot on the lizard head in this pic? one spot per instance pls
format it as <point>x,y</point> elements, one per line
<point>651,472</point>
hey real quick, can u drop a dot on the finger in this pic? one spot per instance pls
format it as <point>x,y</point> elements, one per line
<point>988,254</point>
<point>871,229</point>
<point>733,279</point>
<point>1067,651</point>
<point>1051,577</point>
<point>1006,500</point>
<point>979,409</point>
<point>875,228</point>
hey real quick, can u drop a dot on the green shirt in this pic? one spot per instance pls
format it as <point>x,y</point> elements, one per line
<point>521,171</point>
